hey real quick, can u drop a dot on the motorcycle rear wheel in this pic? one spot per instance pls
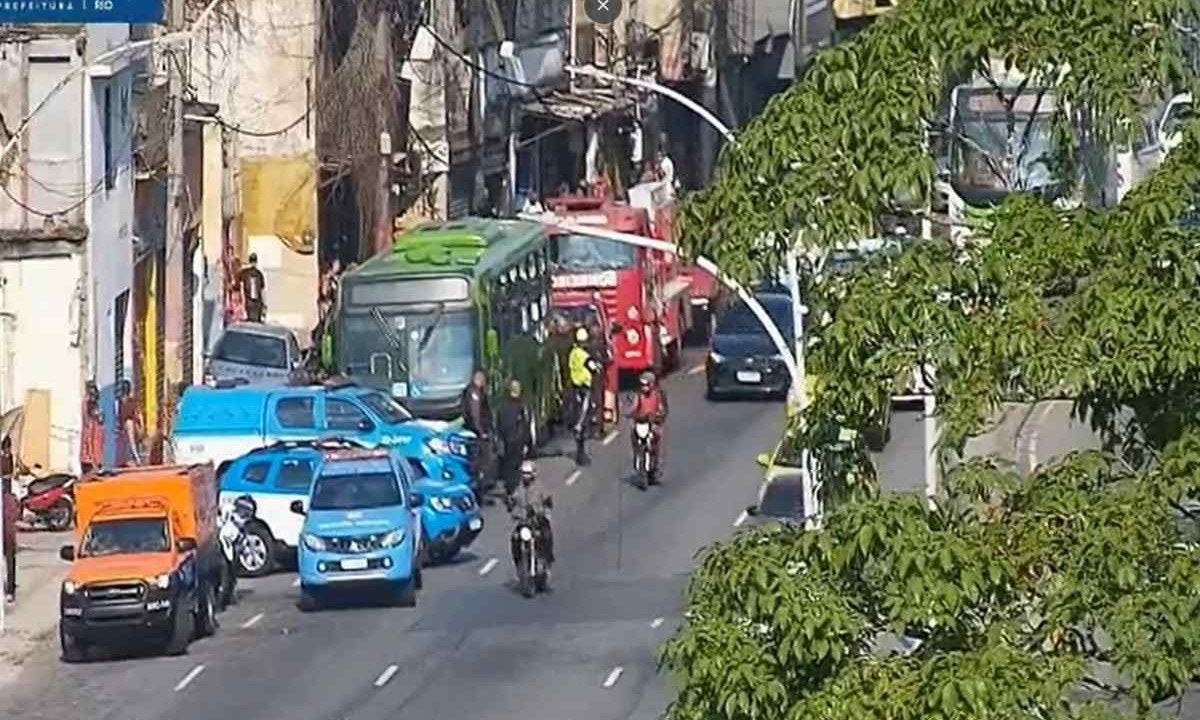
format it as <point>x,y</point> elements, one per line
<point>61,515</point>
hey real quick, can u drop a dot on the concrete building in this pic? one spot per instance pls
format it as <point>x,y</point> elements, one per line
<point>66,224</point>
<point>260,75</point>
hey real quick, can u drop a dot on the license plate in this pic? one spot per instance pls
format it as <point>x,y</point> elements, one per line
<point>354,564</point>
<point>475,524</point>
<point>748,376</point>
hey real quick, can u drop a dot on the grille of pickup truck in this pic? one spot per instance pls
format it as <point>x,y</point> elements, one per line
<point>355,544</point>
<point>115,593</point>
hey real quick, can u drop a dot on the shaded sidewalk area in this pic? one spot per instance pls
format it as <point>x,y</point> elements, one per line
<point>34,616</point>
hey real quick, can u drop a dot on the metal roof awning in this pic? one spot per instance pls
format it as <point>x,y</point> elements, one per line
<point>579,104</point>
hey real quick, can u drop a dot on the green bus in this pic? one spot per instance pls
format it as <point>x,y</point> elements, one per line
<point>448,298</point>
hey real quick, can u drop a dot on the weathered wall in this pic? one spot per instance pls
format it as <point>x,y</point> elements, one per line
<point>257,65</point>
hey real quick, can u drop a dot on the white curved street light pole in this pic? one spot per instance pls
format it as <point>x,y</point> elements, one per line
<point>794,356</point>
<point>99,61</point>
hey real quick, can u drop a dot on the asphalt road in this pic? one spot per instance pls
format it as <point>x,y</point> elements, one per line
<point>472,647</point>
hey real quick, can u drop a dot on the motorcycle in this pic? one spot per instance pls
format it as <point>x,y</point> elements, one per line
<point>48,503</point>
<point>235,515</point>
<point>529,556</point>
<point>645,454</point>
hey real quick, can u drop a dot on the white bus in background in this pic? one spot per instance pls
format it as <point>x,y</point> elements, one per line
<point>999,143</point>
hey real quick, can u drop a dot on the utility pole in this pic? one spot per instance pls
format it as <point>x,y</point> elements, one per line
<point>174,260</point>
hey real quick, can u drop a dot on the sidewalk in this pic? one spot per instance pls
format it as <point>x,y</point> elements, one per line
<point>34,616</point>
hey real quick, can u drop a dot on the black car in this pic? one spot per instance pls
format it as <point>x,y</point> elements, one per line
<point>782,500</point>
<point>742,359</point>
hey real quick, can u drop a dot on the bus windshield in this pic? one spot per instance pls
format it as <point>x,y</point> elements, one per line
<point>581,252</point>
<point>995,150</point>
<point>434,350</point>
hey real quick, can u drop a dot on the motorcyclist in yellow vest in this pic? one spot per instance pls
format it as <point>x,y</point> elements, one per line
<point>581,365</point>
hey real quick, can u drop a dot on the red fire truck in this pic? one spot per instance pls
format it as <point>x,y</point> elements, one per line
<point>644,292</point>
<point>704,290</point>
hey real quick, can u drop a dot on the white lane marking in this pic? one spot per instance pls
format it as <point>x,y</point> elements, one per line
<point>613,676</point>
<point>656,623</point>
<point>696,370</point>
<point>610,437</point>
<point>574,477</point>
<point>740,519</point>
<point>487,566</point>
<point>252,621</point>
<point>386,675</point>
<point>187,679</point>
<point>296,582</point>
<point>1035,432</point>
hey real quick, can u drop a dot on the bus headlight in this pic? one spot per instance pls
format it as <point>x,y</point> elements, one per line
<point>632,337</point>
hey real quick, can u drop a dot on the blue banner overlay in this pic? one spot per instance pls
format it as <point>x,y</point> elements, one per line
<point>72,12</point>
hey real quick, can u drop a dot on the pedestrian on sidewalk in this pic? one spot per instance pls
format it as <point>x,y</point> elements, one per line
<point>91,438</point>
<point>253,288</point>
<point>8,505</point>
<point>129,427</point>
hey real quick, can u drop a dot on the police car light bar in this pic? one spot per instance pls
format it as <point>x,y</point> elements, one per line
<point>356,454</point>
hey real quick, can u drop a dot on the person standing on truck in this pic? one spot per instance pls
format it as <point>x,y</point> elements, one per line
<point>583,368</point>
<point>12,512</point>
<point>477,417</point>
<point>512,424</point>
<point>253,288</point>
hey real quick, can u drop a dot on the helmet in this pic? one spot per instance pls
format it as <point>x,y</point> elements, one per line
<point>528,473</point>
<point>581,335</point>
<point>646,379</point>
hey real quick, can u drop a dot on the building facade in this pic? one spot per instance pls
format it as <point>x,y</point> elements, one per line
<point>66,230</point>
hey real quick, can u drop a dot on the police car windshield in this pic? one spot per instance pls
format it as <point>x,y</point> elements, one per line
<point>360,491</point>
<point>390,411</point>
<point>122,537</point>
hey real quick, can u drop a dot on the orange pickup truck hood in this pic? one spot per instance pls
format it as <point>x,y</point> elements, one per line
<point>115,568</point>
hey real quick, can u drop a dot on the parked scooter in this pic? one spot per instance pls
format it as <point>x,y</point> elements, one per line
<point>528,551</point>
<point>48,503</point>
<point>645,455</point>
<point>235,515</point>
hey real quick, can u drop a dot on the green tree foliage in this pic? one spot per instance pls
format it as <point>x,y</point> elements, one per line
<point>1029,597</point>
<point>1040,597</point>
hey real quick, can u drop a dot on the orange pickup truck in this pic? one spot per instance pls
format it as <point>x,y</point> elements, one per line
<point>146,562</point>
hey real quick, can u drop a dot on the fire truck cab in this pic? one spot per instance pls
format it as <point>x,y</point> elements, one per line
<point>643,292</point>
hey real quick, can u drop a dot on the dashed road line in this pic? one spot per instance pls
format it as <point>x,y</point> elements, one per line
<point>740,519</point>
<point>386,675</point>
<point>610,437</point>
<point>613,676</point>
<point>656,623</point>
<point>252,621</point>
<point>574,477</point>
<point>187,679</point>
<point>488,566</point>
<point>696,370</point>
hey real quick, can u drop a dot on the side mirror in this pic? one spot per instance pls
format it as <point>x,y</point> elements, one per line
<point>297,507</point>
<point>366,426</point>
<point>763,459</point>
<point>67,552</point>
<point>752,510</point>
<point>416,500</point>
<point>548,501</point>
<point>185,544</point>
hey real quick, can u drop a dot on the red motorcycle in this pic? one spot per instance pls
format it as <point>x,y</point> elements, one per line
<point>49,502</point>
